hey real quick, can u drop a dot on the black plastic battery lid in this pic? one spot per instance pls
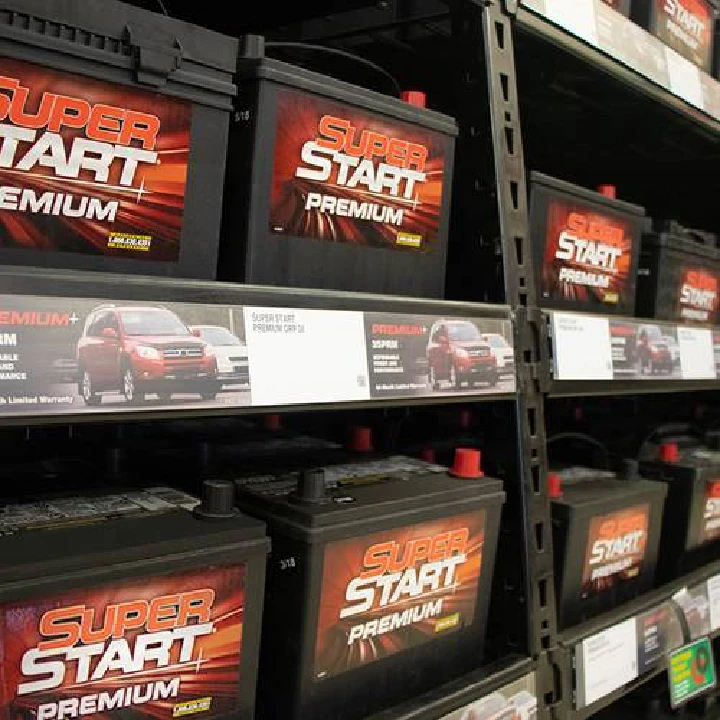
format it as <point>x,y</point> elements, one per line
<point>45,552</point>
<point>566,188</point>
<point>602,490</point>
<point>358,503</point>
<point>299,78</point>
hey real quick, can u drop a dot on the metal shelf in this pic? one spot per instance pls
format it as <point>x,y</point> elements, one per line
<point>465,690</point>
<point>360,350</point>
<point>644,67</point>
<point>601,355</point>
<point>564,656</point>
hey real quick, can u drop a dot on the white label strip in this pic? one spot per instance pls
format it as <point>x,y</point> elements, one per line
<point>697,358</point>
<point>713,590</point>
<point>606,662</point>
<point>306,356</point>
<point>684,78</point>
<point>647,56</point>
<point>575,16</point>
<point>583,350</point>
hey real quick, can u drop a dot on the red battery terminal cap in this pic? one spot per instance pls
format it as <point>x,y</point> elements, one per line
<point>467,463</point>
<point>669,452</point>
<point>428,455</point>
<point>609,191</point>
<point>360,440</point>
<point>554,485</point>
<point>417,98</point>
<point>273,421</point>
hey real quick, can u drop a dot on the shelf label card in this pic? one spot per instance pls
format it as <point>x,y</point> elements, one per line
<point>713,591</point>
<point>612,33</point>
<point>658,632</point>
<point>306,356</point>
<point>583,350</point>
<point>575,16</point>
<point>691,671</point>
<point>693,603</point>
<point>517,699</point>
<point>697,358</point>
<point>684,78</point>
<point>606,662</point>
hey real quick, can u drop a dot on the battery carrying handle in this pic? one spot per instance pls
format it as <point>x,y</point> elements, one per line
<point>155,58</point>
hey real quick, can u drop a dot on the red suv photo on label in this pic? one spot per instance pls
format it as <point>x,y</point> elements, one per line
<point>138,350</point>
<point>458,354</point>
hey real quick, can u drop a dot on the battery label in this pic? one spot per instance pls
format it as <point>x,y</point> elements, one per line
<point>156,647</point>
<point>345,175</point>
<point>711,512</point>
<point>90,167</point>
<point>697,296</point>
<point>588,256</point>
<point>393,590</point>
<point>687,27</point>
<point>615,549</point>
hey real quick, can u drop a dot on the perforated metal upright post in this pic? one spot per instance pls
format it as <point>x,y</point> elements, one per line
<point>492,166</point>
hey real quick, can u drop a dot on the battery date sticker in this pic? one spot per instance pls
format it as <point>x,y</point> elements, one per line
<point>159,647</point>
<point>615,549</point>
<point>393,590</point>
<point>345,175</point>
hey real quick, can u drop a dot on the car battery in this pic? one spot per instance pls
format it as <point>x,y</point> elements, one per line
<point>606,530</point>
<point>691,527</point>
<point>377,589</point>
<point>115,126</point>
<point>140,604</point>
<point>335,186</point>
<point>678,275</point>
<point>686,26</point>
<point>622,6</point>
<point>586,247</point>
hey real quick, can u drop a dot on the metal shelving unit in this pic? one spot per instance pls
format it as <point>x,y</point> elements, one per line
<point>482,35</point>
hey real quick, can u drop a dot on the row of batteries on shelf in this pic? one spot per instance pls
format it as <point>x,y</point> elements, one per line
<point>322,581</point>
<point>333,582</point>
<point>328,185</point>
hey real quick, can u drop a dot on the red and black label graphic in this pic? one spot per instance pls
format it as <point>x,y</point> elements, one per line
<point>710,529</point>
<point>90,167</point>
<point>588,256</point>
<point>160,647</point>
<point>345,175</point>
<point>615,549</point>
<point>623,338</point>
<point>697,296</point>
<point>687,26</point>
<point>393,590</point>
